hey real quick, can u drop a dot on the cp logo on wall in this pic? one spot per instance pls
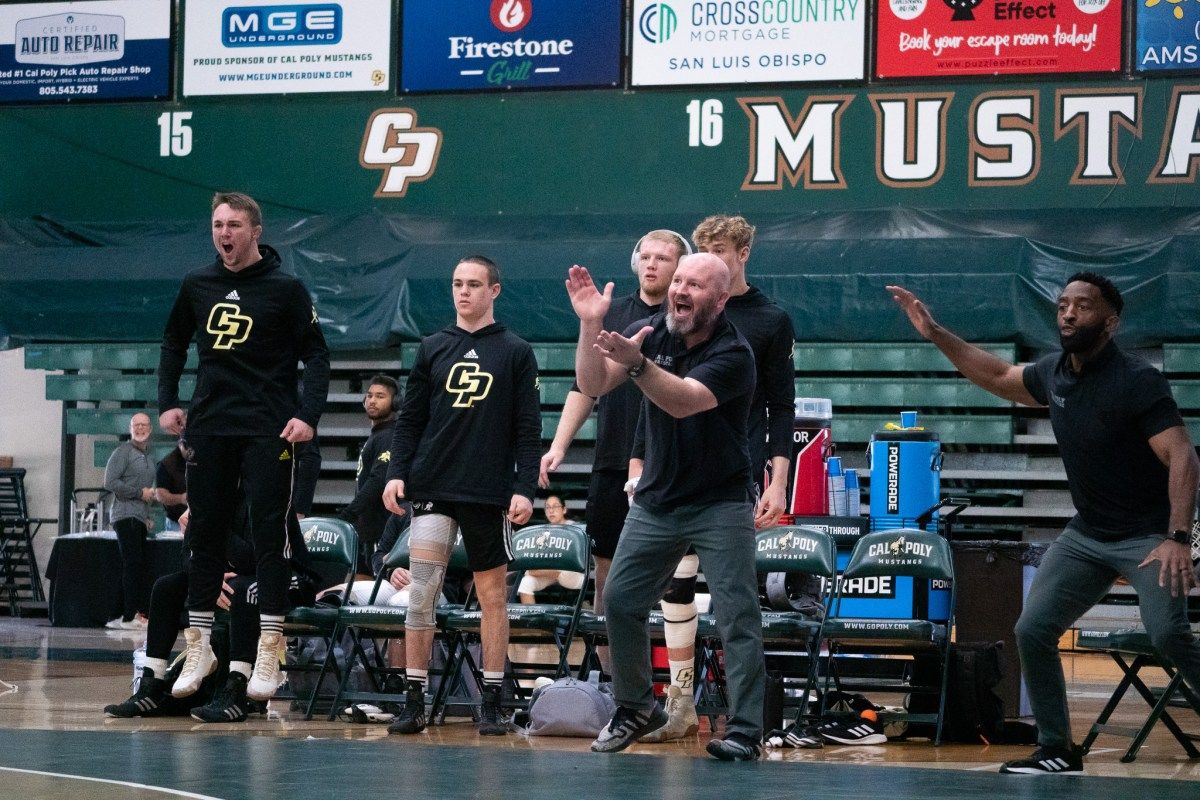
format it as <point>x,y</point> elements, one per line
<point>405,152</point>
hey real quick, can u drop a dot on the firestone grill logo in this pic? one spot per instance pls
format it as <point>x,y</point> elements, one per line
<point>511,15</point>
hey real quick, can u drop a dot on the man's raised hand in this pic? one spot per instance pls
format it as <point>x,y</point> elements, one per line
<point>589,304</point>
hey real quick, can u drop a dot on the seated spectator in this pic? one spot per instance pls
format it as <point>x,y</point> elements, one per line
<point>170,485</point>
<point>535,580</point>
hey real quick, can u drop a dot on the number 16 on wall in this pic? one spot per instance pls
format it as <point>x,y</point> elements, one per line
<point>706,126</point>
<point>174,134</point>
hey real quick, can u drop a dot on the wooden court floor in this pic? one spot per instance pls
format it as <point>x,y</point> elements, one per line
<point>56,742</point>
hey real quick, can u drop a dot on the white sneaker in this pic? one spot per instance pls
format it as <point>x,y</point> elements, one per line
<point>138,623</point>
<point>116,624</point>
<point>681,718</point>
<point>267,676</point>
<point>199,661</point>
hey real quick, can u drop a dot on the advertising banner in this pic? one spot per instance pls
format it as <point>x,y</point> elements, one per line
<point>1168,38</point>
<point>273,47</point>
<point>509,44</point>
<point>938,38</point>
<point>111,49</point>
<point>747,41</point>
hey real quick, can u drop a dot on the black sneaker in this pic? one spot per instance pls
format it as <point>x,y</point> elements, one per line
<point>412,716</point>
<point>150,700</point>
<point>734,747</point>
<point>854,731</point>
<point>229,704</point>
<point>491,717</point>
<point>1047,761</point>
<point>795,735</point>
<point>627,727</point>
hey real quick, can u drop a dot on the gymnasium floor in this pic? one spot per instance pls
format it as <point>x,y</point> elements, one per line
<point>55,742</point>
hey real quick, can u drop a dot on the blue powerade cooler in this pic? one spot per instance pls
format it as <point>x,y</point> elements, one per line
<point>906,479</point>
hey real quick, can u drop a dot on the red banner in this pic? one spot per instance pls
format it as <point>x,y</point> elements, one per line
<point>996,37</point>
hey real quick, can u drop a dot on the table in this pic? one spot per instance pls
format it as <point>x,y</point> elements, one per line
<point>85,575</point>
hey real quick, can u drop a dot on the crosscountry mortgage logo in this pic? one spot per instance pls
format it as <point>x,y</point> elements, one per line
<point>406,154</point>
<point>657,23</point>
<point>281,26</point>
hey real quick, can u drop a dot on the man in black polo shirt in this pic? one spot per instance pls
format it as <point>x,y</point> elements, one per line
<point>1133,475</point>
<point>697,376</point>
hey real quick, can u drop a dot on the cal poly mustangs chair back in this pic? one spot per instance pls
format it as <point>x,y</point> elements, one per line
<point>332,546</point>
<point>551,547</point>
<point>905,552</point>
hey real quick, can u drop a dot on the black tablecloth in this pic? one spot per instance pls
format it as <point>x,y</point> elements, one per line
<point>85,576</point>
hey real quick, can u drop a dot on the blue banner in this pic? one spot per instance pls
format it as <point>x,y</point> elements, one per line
<point>452,45</point>
<point>104,50</point>
<point>1168,37</point>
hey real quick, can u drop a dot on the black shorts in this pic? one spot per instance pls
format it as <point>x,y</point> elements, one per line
<point>486,531</point>
<point>607,506</point>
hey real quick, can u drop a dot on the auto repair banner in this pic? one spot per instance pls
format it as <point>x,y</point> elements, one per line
<point>1168,38</point>
<point>112,49</point>
<point>936,38</point>
<point>509,44</point>
<point>747,41</point>
<point>273,47</point>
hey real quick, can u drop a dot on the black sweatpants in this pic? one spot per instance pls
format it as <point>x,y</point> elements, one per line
<point>264,465</point>
<point>131,541</point>
<point>167,600</point>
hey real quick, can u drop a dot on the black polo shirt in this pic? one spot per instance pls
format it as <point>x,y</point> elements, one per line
<point>701,459</point>
<point>1103,419</point>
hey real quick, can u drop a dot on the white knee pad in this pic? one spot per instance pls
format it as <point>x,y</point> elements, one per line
<point>423,594</point>
<point>679,624</point>
<point>531,584</point>
<point>571,580</point>
<point>689,566</point>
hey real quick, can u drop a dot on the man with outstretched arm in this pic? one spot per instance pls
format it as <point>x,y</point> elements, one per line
<point>1132,472</point>
<point>696,374</point>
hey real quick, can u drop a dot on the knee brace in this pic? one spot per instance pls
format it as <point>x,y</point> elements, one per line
<point>433,532</point>
<point>683,585</point>
<point>531,584</point>
<point>423,594</point>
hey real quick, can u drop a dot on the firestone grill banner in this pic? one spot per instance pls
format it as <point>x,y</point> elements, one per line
<point>276,47</point>
<point>747,41</point>
<point>509,44</point>
<point>116,49</point>
<point>1168,37</point>
<point>996,37</point>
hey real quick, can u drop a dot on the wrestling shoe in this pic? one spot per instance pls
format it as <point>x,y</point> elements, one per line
<point>797,736</point>
<point>734,747</point>
<point>855,731</point>
<point>681,718</point>
<point>150,700</point>
<point>266,677</point>
<point>412,716</point>
<point>1047,761</point>
<point>229,704</point>
<point>491,717</point>
<point>626,727</point>
<point>199,661</point>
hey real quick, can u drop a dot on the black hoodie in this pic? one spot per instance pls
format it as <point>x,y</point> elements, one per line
<point>768,330</point>
<point>471,412</point>
<point>251,328</point>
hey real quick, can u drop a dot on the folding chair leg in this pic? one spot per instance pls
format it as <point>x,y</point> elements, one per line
<point>1159,710</point>
<point>1128,671</point>
<point>330,660</point>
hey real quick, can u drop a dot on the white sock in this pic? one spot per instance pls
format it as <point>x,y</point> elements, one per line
<point>157,665</point>
<point>242,667</point>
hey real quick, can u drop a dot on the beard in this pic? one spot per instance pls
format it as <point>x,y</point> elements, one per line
<point>1083,339</point>
<point>701,318</point>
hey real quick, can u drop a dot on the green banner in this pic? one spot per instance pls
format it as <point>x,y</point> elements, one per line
<point>1127,144</point>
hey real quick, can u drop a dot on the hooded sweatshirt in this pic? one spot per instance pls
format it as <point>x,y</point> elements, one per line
<point>251,328</point>
<point>470,426</point>
<point>768,330</point>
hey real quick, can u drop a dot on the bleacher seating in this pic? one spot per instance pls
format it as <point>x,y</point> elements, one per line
<point>1001,454</point>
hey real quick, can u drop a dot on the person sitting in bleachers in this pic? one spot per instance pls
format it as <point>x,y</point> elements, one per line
<point>536,580</point>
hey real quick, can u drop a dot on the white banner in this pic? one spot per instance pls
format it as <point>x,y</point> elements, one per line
<point>274,47</point>
<point>747,41</point>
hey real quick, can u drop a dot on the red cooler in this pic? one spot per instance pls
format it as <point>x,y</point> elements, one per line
<point>812,442</point>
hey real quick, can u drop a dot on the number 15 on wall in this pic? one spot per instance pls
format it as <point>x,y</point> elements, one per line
<point>174,134</point>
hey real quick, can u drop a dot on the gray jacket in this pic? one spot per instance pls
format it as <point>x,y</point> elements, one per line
<point>128,471</point>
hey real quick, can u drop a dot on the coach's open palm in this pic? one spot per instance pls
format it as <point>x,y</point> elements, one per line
<point>589,304</point>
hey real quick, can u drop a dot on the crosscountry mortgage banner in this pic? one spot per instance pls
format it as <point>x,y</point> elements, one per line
<point>996,37</point>
<point>113,49</point>
<point>1168,38</point>
<point>274,47</point>
<point>680,42</point>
